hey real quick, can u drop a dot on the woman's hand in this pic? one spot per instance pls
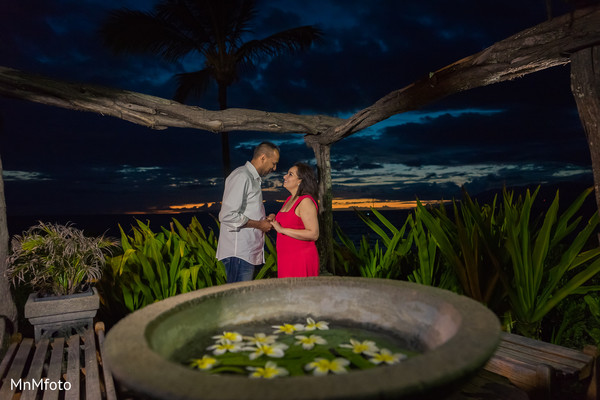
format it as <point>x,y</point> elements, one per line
<point>277,226</point>
<point>271,217</point>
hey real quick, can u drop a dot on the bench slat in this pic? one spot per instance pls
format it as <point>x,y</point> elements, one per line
<point>533,357</point>
<point>549,348</point>
<point>54,370</point>
<point>15,371</point>
<point>73,368</point>
<point>8,357</point>
<point>109,384</point>
<point>92,378</point>
<point>567,363</point>
<point>35,371</point>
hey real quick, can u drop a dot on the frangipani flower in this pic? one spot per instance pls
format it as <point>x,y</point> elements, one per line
<point>276,350</point>
<point>205,363</point>
<point>288,329</point>
<point>228,337</point>
<point>311,325</point>
<point>322,366</point>
<point>386,356</point>
<point>270,370</point>
<point>222,348</point>
<point>309,342</point>
<point>260,338</point>
<point>367,346</point>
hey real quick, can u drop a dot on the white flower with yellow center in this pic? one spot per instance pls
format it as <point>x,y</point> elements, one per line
<point>367,346</point>
<point>228,337</point>
<point>288,329</point>
<point>308,342</point>
<point>322,366</point>
<point>260,338</point>
<point>275,350</point>
<point>270,370</point>
<point>205,363</point>
<point>222,348</point>
<point>311,325</point>
<point>386,356</point>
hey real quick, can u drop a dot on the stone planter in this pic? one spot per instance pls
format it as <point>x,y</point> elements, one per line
<point>455,334</point>
<point>53,314</point>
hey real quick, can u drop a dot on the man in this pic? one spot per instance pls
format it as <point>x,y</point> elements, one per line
<point>242,216</point>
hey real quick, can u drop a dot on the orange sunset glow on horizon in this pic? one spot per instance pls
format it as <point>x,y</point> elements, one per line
<point>338,204</point>
<point>362,204</point>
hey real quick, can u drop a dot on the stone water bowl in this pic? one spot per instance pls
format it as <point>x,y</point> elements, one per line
<point>456,336</point>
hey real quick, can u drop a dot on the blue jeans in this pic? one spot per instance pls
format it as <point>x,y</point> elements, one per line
<point>238,270</point>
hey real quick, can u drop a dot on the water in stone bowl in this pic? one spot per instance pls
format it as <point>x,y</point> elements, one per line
<point>433,339</point>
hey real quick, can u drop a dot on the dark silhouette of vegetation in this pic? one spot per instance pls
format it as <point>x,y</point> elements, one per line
<point>216,29</point>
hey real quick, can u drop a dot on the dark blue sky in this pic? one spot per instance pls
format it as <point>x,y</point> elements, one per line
<point>524,132</point>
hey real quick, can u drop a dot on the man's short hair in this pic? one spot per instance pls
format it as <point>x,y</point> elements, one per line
<point>266,148</point>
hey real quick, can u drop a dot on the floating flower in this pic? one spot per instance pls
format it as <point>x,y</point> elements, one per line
<point>205,363</point>
<point>222,348</point>
<point>288,329</point>
<point>228,337</point>
<point>385,356</point>
<point>309,342</point>
<point>367,346</point>
<point>270,370</point>
<point>276,350</point>
<point>260,338</point>
<point>322,366</point>
<point>311,325</point>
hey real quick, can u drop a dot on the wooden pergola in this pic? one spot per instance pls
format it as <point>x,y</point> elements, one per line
<point>572,38</point>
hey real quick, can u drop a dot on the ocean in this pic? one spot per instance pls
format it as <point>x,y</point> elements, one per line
<point>108,224</point>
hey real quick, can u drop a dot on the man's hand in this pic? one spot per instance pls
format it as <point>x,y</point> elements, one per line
<point>264,225</point>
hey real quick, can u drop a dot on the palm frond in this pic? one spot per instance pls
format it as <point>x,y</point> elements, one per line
<point>288,41</point>
<point>130,31</point>
<point>191,83</point>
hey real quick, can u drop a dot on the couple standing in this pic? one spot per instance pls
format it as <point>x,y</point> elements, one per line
<point>244,221</point>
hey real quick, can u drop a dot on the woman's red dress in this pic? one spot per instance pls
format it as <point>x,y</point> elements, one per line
<point>295,258</point>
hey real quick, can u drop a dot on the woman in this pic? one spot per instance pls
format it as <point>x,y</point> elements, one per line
<point>297,225</point>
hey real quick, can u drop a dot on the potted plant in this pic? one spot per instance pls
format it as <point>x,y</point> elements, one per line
<point>61,265</point>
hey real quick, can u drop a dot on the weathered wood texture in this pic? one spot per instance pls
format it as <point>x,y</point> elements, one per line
<point>8,310</point>
<point>542,369</point>
<point>585,86</point>
<point>82,372</point>
<point>151,111</point>
<point>325,242</point>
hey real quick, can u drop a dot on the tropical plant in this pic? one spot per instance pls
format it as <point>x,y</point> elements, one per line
<point>471,243</point>
<point>378,261</point>
<point>57,259</point>
<point>155,266</point>
<point>429,267</point>
<point>215,29</point>
<point>535,286</point>
<point>269,269</point>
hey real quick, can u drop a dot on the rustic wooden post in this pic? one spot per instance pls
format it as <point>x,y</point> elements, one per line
<point>325,242</point>
<point>585,85</point>
<point>8,309</point>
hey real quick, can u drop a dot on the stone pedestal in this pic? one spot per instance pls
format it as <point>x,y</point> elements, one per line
<point>49,315</point>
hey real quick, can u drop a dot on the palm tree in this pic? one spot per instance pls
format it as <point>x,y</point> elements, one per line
<point>213,28</point>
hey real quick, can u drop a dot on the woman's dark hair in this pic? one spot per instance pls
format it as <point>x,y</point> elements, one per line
<point>309,183</point>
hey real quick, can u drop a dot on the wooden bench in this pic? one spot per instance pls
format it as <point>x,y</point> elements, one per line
<point>57,368</point>
<point>545,370</point>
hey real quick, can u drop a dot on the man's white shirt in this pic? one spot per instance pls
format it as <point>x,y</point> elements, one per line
<point>242,200</point>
